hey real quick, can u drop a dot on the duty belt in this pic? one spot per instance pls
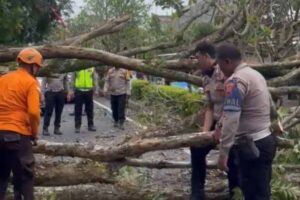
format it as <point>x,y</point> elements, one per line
<point>257,135</point>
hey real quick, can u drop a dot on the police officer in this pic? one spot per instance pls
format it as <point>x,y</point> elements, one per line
<point>118,86</point>
<point>214,89</point>
<point>85,84</point>
<point>19,124</point>
<point>54,96</point>
<point>246,123</point>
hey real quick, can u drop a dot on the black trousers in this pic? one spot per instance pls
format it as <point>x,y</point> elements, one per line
<point>198,159</point>
<point>256,174</point>
<point>54,100</point>
<point>86,98</point>
<point>118,105</point>
<point>16,156</point>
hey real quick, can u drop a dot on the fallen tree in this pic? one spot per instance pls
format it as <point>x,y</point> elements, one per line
<point>135,148</point>
<point>67,173</point>
<point>115,192</point>
<point>132,148</point>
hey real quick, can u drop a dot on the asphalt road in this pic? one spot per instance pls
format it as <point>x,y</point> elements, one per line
<point>105,133</point>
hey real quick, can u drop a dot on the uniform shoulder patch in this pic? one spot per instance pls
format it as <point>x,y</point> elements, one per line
<point>232,102</point>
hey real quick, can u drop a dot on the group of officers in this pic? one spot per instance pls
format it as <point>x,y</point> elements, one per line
<point>237,114</point>
<point>81,87</point>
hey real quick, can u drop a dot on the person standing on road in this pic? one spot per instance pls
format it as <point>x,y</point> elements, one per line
<point>19,124</point>
<point>118,87</point>
<point>54,97</point>
<point>246,124</point>
<point>85,84</point>
<point>214,89</point>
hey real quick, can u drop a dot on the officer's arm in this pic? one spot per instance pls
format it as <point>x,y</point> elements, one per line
<point>95,81</point>
<point>208,116</point>
<point>106,83</point>
<point>71,82</point>
<point>33,108</point>
<point>44,84</point>
<point>235,93</point>
<point>128,82</point>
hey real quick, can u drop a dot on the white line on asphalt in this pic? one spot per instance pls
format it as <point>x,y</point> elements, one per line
<point>109,110</point>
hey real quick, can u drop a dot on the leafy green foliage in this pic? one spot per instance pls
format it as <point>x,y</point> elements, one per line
<point>281,188</point>
<point>179,100</point>
<point>24,21</point>
<point>199,30</point>
<point>175,4</point>
<point>95,12</point>
<point>137,88</point>
<point>290,156</point>
<point>130,176</point>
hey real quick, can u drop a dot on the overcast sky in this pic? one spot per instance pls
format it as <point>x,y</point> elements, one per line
<point>154,9</point>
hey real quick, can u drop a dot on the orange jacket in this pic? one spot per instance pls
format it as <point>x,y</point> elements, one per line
<point>20,103</point>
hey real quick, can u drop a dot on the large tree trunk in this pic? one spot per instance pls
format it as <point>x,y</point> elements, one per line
<point>135,148</point>
<point>66,173</point>
<point>106,58</point>
<point>116,192</point>
<point>115,60</point>
<point>131,149</point>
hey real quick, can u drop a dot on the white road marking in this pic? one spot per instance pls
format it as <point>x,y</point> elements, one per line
<point>109,110</point>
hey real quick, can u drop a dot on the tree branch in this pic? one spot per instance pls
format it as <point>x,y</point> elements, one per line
<point>111,26</point>
<point>291,78</point>
<point>135,148</point>
<point>105,58</point>
<point>284,90</point>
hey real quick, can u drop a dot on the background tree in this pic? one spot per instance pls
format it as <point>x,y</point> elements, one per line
<point>97,12</point>
<point>24,21</point>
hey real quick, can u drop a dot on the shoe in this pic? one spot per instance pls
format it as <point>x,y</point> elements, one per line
<point>46,132</point>
<point>57,131</point>
<point>77,130</point>
<point>197,197</point>
<point>92,128</point>
<point>121,126</point>
<point>116,124</point>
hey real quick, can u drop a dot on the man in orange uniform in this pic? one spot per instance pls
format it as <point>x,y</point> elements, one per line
<point>19,124</point>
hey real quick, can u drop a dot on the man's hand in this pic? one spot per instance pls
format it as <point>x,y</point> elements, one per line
<point>34,140</point>
<point>70,96</point>
<point>105,93</point>
<point>96,93</point>
<point>222,162</point>
<point>217,135</point>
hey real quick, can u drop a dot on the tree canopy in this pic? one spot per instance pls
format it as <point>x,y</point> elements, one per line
<point>29,21</point>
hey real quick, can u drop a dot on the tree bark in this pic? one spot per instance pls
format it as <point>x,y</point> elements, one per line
<point>110,26</point>
<point>64,174</point>
<point>106,58</point>
<point>170,164</point>
<point>291,78</point>
<point>116,192</point>
<point>284,90</point>
<point>129,149</point>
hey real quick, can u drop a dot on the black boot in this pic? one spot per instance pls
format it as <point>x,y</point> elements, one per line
<point>197,197</point>
<point>121,125</point>
<point>197,191</point>
<point>77,129</point>
<point>46,132</point>
<point>92,128</point>
<point>57,131</point>
<point>115,124</point>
